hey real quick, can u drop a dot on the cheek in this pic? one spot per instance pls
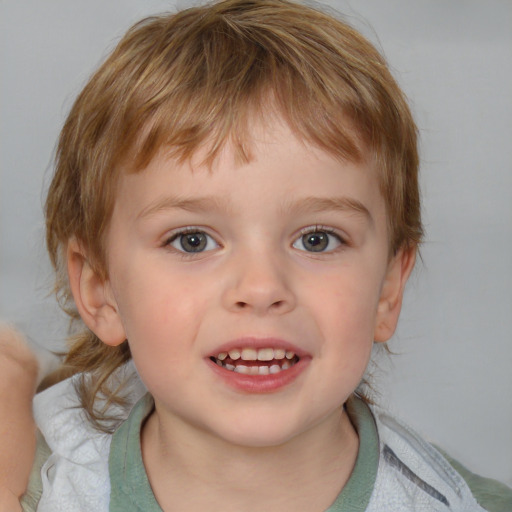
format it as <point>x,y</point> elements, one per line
<point>160,312</point>
<point>161,326</point>
<point>349,303</point>
<point>346,318</point>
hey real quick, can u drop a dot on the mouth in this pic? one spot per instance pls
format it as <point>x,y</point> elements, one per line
<point>256,361</point>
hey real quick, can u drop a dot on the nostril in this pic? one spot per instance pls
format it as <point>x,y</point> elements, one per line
<point>277,305</point>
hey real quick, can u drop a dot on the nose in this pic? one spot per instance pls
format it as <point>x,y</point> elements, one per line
<point>259,283</point>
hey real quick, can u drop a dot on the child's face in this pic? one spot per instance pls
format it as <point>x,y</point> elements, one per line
<point>288,252</point>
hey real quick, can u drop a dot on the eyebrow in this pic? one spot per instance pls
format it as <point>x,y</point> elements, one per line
<point>191,204</point>
<point>305,205</point>
<point>321,204</point>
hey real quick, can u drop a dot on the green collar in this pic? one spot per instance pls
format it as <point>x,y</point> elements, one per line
<point>129,484</point>
<point>357,492</point>
<point>131,490</point>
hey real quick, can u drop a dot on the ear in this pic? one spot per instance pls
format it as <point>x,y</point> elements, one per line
<point>390,302</point>
<point>93,297</point>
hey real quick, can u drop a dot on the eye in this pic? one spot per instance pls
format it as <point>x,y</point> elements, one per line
<point>192,242</point>
<point>318,240</point>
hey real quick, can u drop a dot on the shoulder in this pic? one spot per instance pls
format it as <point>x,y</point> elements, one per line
<point>74,473</point>
<point>491,494</point>
<point>70,471</point>
<point>412,467</point>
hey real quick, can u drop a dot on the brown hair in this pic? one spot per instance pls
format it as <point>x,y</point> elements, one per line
<point>194,79</point>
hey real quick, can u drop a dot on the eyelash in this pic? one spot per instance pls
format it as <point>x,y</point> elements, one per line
<point>322,229</point>
<point>168,242</point>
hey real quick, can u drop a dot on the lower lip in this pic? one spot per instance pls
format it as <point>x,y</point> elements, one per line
<point>260,383</point>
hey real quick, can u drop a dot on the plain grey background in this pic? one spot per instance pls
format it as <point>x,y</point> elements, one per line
<point>451,377</point>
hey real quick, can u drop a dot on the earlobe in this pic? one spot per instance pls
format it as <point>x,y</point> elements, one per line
<point>93,297</point>
<point>390,302</point>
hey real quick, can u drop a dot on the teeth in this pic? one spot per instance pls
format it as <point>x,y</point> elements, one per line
<point>285,358</point>
<point>275,368</point>
<point>279,353</point>
<point>234,354</point>
<point>249,354</point>
<point>252,354</point>
<point>266,354</point>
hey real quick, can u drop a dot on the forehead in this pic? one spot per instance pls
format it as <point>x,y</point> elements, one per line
<point>281,169</point>
<point>242,138</point>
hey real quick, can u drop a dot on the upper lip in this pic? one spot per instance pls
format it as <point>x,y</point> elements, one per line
<point>258,343</point>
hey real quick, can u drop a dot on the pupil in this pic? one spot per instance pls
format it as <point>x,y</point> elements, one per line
<point>193,242</point>
<point>315,242</point>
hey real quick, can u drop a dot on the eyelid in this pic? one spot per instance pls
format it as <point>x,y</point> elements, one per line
<point>173,233</point>
<point>325,229</point>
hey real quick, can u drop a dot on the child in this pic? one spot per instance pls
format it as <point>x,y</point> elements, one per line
<point>236,204</point>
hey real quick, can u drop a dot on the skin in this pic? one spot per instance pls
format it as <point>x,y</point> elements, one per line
<point>18,375</point>
<point>254,279</point>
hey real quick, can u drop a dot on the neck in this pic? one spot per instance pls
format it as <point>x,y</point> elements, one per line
<point>305,473</point>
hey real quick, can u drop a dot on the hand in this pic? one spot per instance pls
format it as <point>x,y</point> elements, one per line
<point>18,376</point>
<point>15,352</point>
